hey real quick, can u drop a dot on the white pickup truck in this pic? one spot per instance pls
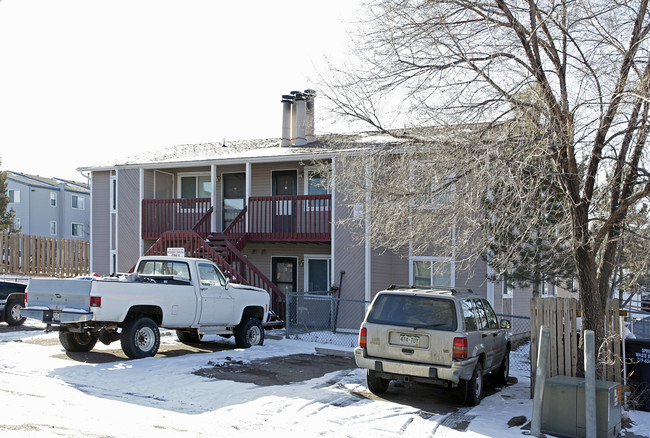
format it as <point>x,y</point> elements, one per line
<point>187,294</point>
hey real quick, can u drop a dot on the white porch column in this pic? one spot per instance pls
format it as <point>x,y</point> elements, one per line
<point>247,195</point>
<point>213,198</point>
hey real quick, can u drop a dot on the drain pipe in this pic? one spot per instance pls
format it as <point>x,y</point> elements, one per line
<point>338,301</point>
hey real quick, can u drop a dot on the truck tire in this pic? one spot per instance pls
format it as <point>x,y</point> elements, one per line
<point>249,332</point>
<point>140,338</point>
<point>472,389</point>
<point>504,369</point>
<point>77,342</point>
<point>189,336</point>
<point>12,312</point>
<point>377,385</point>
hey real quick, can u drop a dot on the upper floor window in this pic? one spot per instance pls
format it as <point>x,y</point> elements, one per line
<point>14,196</point>
<point>78,202</point>
<point>316,184</point>
<point>52,199</point>
<point>77,230</point>
<point>432,271</point>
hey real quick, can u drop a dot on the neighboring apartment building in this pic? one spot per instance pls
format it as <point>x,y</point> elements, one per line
<point>50,207</point>
<point>267,219</point>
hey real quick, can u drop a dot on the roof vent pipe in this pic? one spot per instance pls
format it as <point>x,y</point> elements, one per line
<point>287,103</point>
<point>294,117</point>
<point>301,119</point>
<point>309,132</point>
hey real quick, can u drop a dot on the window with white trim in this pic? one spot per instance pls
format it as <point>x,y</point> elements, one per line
<point>78,202</point>
<point>52,199</point>
<point>77,230</point>
<point>316,184</point>
<point>52,228</point>
<point>433,271</point>
<point>16,225</point>
<point>14,196</point>
<point>507,284</point>
<point>548,288</point>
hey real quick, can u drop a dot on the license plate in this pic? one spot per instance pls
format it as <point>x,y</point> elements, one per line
<point>412,340</point>
<point>56,316</point>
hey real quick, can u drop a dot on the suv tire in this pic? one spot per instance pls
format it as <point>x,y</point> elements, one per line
<point>504,369</point>
<point>377,385</point>
<point>472,389</point>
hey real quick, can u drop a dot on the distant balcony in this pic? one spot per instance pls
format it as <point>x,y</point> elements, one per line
<point>270,218</point>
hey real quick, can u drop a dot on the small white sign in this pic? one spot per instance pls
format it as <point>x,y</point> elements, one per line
<point>175,252</point>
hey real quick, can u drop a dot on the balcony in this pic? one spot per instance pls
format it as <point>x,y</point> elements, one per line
<point>270,218</point>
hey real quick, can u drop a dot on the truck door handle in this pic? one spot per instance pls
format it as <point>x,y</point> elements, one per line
<point>407,351</point>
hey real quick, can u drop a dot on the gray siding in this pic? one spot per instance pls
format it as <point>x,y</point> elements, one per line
<point>100,227</point>
<point>128,224</point>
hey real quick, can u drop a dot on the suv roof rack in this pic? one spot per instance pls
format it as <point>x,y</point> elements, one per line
<point>410,286</point>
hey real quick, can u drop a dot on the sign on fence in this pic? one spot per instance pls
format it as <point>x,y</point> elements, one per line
<point>23,254</point>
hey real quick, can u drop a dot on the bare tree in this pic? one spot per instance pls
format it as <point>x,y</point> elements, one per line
<point>6,216</point>
<point>531,99</point>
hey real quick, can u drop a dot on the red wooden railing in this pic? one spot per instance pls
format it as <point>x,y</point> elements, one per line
<point>290,218</point>
<point>241,269</point>
<point>160,215</point>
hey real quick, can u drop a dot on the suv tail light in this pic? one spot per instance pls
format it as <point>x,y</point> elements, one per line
<point>95,301</point>
<point>363,336</point>
<point>460,348</point>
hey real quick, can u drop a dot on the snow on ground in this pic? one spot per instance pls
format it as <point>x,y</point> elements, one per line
<point>43,395</point>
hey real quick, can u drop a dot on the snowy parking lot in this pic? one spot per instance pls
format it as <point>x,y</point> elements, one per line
<point>198,392</point>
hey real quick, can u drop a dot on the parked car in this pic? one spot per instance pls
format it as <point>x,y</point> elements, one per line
<point>439,336</point>
<point>12,300</point>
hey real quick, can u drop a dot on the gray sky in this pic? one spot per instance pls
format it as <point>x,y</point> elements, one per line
<point>86,80</point>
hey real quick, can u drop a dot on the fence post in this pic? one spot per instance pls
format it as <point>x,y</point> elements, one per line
<point>590,385</point>
<point>540,380</point>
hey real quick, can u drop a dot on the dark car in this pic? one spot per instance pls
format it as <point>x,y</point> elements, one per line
<point>12,300</point>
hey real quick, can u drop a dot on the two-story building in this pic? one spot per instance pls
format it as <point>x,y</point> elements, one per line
<point>259,209</point>
<point>49,207</point>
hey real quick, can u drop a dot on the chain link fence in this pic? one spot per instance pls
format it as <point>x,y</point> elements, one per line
<point>325,319</point>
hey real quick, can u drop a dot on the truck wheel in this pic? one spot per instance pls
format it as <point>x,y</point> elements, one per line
<point>189,336</point>
<point>12,312</point>
<point>249,332</point>
<point>140,338</point>
<point>377,385</point>
<point>77,342</point>
<point>472,389</point>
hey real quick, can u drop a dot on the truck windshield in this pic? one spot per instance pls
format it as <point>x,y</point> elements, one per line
<point>413,311</point>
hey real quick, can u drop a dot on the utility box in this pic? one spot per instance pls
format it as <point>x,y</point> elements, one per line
<point>563,409</point>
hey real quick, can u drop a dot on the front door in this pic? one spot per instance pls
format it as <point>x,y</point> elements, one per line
<point>285,273</point>
<point>216,301</point>
<point>284,183</point>
<point>234,194</point>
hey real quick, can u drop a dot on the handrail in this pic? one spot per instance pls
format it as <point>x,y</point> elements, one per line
<point>203,226</point>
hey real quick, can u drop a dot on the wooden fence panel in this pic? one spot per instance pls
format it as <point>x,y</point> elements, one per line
<point>22,254</point>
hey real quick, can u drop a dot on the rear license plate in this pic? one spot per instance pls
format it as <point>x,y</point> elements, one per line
<point>412,340</point>
<point>56,316</point>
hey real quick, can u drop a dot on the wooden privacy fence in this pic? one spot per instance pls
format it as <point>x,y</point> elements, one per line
<point>560,316</point>
<point>23,254</point>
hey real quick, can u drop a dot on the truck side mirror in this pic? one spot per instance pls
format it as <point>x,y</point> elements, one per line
<point>227,282</point>
<point>505,324</point>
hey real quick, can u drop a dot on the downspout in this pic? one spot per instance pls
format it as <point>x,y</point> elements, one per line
<point>213,198</point>
<point>247,195</point>
<point>368,248</point>
<point>141,250</point>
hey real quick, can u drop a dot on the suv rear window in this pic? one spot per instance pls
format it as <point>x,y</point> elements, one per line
<point>414,311</point>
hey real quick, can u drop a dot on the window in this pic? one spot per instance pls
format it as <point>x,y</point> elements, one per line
<point>14,196</point>
<point>16,225</point>
<point>78,202</point>
<point>317,274</point>
<point>433,272</point>
<point>195,186</point>
<point>316,184</point>
<point>210,275</point>
<point>469,314</point>
<point>157,267</point>
<point>113,193</point>
<point>77,230</point>
<point>52,228</point>
<point>52,199</point>
<point>548,287</point>
<point>431,190</point>
<point>407,310</point>
<point>507,284</point>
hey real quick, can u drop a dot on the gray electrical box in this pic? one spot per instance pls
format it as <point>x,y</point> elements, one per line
<point>563,409</point>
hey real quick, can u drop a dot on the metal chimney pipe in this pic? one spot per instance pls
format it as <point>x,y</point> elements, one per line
<point>294,118</point>
<point>309,133</point>
<point>301,119</point>
<point>287,103</point>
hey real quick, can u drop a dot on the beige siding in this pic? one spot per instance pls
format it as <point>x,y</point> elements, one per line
<point>100,226</point>
<point>261,183</point>
<point>128,208</point>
